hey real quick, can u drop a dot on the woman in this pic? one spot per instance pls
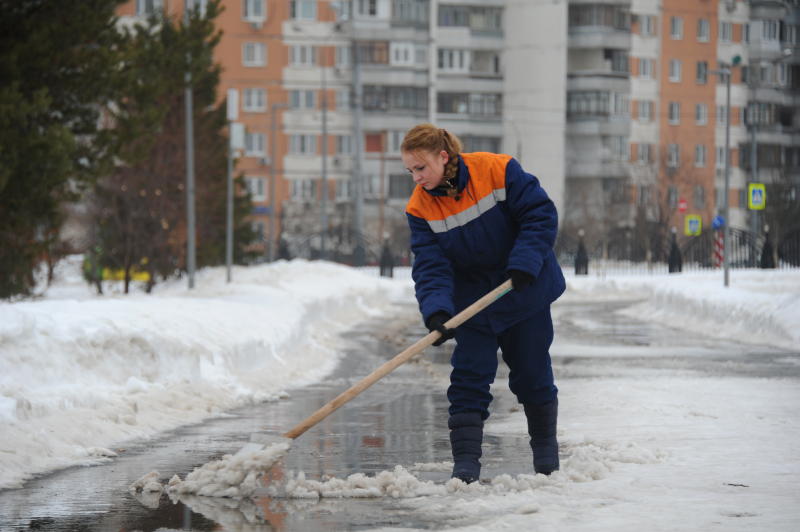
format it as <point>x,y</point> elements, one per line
<point>477,219</point>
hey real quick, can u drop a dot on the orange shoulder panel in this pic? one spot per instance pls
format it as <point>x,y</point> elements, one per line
<point>487,173</point>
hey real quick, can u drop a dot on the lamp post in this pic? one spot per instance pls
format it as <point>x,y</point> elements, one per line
<point>190,217</point>
<point>234,142</point>
<point>725,71</point>
<point>272,177</point>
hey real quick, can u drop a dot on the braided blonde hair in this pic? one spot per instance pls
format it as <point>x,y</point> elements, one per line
<point>427,137</point>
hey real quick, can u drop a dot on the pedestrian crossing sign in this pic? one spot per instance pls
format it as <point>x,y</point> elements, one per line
<point>693,225</point>
<point>756,196</point>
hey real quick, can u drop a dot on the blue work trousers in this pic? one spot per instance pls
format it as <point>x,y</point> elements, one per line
<point>526,351</point>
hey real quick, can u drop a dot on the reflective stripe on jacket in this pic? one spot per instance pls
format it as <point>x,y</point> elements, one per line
<point>500,219</point>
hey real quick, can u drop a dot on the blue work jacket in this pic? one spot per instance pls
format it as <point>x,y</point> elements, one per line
<point>498,219</point>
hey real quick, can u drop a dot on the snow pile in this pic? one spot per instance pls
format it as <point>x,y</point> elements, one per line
<point>79,374</point>
<point>233,476</point>
<point>759,306</point>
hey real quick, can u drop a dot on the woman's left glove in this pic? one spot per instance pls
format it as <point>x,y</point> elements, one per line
<point>520,280</point>
<point>436,322</point>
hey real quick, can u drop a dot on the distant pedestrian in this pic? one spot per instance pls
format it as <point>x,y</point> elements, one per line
<point>387,260</point>
<point>675,260</point>
<point>477,219</point>
<point>581,257</point>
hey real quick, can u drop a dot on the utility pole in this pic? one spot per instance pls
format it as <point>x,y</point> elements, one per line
<point>233,114</point>
<point>324,187</point>
<point>272,177</point>
<point>358,219</point>
<point>190,218</point>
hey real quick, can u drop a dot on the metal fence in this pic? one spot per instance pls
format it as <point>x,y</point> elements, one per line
<point>624,255</point>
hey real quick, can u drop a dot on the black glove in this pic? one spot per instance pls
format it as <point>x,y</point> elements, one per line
<point>436,323</point>
<point>520,280</point>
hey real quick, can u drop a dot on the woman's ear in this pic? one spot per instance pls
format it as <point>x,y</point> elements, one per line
<point>444,155</point>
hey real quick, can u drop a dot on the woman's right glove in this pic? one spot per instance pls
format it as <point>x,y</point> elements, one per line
<point>436,322</point>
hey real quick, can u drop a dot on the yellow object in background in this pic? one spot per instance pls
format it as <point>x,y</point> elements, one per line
<point>693,225</point>
<point>756,196</point>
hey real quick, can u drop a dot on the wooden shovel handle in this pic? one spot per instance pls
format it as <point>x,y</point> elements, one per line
<point>398,360</point>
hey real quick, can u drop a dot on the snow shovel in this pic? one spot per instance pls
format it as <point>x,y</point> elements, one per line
<point>259,442</point>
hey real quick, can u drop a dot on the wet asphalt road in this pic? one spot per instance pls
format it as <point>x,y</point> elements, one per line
<point>400,420</point>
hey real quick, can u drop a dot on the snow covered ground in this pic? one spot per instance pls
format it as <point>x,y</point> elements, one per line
<point>643,449</point>
<point>81,374</point>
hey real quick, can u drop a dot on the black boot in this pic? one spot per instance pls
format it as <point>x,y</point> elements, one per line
<point>466,435</point>
<point>542,428</point>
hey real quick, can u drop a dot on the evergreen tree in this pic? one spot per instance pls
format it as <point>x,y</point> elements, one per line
<point>58,70</point>
<point>140,207</point>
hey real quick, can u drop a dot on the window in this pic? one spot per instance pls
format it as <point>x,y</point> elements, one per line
<point>644,155</point>
<point>400,186</point>
<point>253,54</point>
<point>648,25</point>
<point>373,52</point>
<point>303,9</point>
<point>200,5</point>
<point>410,12</point>
<point>367,7</point>
<point>770,30</point>
<point>302,55</point>
<point>454,60</point>
<point>343,190</point>
<point>700,155</point>
<point>701,114</point>
<point>303,144</point>
<point>722,115</point>
<point>644,195</point>
<point>645,108</point>
<point>725,31</point>
<point>674,113</point>
<point>673,156</point>
<point>486,19</point>
<point>618,58</point>
<point>610,16</point>
<point>304,189</point>
<point>646,68</point>
<point>453,16</point>
<point>596,103</point>
<point>619,147</point>
<point>147,8</point>
<point>791,34</point>
<point>256,186</point>
<point>699,197</point>
<point>254,144</point>
<point>746,32</point>
<point>402,53</point>
<point>344,144</point>
<point>255,100</point>
<point>395,139</point>
<point>703,30</point>
<point>676,28</point>
<point>254,10</point>
<point>473,143</point>
<point>303,99</point>
<point>342,99</point>
<point>720,157</point>
<point>672,196</point>
<point>701,76</point>
<point>343,54</point>
<point>675,70</point>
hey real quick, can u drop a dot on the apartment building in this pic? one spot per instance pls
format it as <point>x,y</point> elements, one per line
<point>615,105</point>
<point>647,115</point>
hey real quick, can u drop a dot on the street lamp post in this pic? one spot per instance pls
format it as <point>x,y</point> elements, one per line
<point>190,216</point>
<point>272,176</point>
